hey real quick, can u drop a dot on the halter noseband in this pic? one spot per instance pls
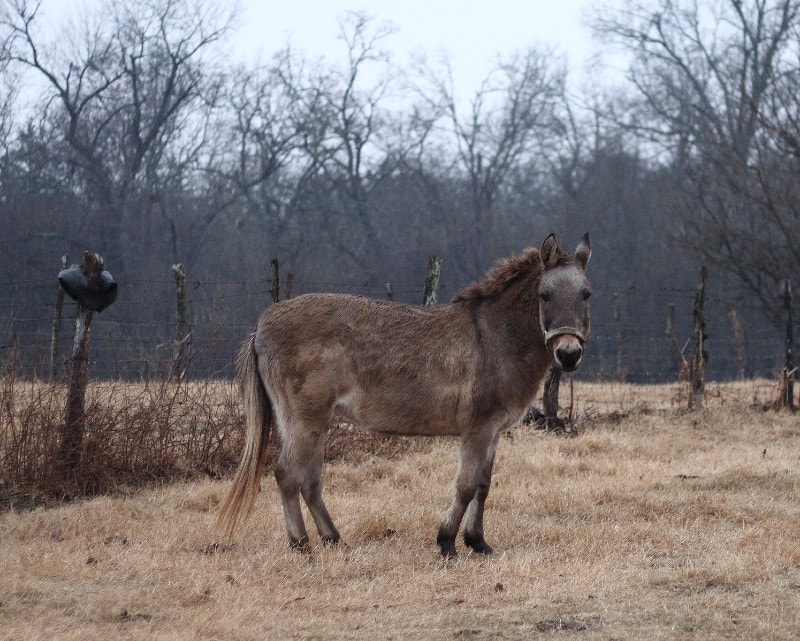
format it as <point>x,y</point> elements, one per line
<point>548,334</point>
<point>557,331</point>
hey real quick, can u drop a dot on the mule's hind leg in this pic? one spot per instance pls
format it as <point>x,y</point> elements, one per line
<point>298,471</point>
<point>289,478</point>
<point>311,490</point>
<point>476,450</point>
<point>473,524</point>
<point>298,446</point>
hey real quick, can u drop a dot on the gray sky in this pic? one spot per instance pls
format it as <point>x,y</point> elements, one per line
<point>472,32</point>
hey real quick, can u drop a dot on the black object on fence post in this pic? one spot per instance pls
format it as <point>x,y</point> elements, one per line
<point>54,337</point>
<point>182,335</point>
<point>94,289</point>
<point>699,357</point>
<point>433,274</point>
<point>276,282</point>
<point>789,368</point>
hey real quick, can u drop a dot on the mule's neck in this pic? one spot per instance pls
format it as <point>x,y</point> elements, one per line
<point>512,317</point>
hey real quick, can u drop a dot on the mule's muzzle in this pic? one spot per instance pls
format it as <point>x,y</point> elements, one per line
<point>567,346</point>
<point>568,356</point>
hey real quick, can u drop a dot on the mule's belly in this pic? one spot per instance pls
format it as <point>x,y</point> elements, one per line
<point>416,412</point>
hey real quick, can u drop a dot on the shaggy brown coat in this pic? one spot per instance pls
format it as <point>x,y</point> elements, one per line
<point>470,368</point>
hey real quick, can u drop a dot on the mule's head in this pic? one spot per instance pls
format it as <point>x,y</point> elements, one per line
<point>564,302</point>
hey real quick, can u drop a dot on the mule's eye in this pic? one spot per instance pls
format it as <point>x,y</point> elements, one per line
<point>586,294</point>
<point>545,295</point>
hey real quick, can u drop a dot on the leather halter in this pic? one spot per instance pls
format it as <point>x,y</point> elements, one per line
<point>557,331</point>
<point>563,330</point>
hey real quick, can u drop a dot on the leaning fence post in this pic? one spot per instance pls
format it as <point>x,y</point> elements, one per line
<point>432,275</point>
<point>699,357</point>
<point>181,324</point>
<point>276,282</point>
<point>788,389</point>
<point>54,335</point>
<point>287,292</point>
<point>550,396</point>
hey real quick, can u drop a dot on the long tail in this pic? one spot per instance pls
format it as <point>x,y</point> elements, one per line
<point>239,502</point>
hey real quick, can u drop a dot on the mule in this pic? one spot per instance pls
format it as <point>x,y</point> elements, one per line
<point>470,368</point>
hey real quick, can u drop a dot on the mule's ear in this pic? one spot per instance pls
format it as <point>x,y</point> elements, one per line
<point>550,251</point>
<point>584,252</point>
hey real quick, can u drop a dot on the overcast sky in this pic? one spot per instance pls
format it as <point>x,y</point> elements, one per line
<point>473,33</point>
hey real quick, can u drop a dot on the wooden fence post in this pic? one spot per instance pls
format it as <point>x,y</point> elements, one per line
<point>289,286</point>
<point>432,275</point>
<point>789,368</point>
<point>672,339</point>
<point>389,292</point>
<point>54,335</point>
<point>182,335</point>
<point>700,356</point>
<point>72,430</point>
<point>621,375</point>
<point>738,338</point>
<point>276,282</point>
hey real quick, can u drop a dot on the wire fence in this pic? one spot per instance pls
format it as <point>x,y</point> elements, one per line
<point>134,339</point>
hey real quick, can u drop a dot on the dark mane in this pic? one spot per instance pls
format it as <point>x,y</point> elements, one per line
<point>505,272</point>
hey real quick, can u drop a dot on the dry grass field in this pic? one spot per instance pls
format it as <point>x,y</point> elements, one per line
<point>650,524</point>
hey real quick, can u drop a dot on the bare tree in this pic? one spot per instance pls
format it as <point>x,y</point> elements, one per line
<point>358,141</point>
<point>120,90</point>
<point>354,120</point>
<point>8,91</point>
<point>705,75</point>
<point>509,119</point>
<point>268,149</point>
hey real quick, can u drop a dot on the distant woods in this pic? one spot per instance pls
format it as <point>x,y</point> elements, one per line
<point>146,143</point>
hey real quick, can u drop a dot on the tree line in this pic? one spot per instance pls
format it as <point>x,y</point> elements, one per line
<point>144,142</point>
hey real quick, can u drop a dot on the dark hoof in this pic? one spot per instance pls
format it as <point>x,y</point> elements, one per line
<point>301,545</point>
<point>331,539</point>
<point>447,546</point>
<point>478,544</point>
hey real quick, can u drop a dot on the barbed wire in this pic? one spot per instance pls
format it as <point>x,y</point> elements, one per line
<point>128,344</point>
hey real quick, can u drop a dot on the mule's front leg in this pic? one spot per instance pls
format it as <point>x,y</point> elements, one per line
<point>448,529</point>
<point>473,526</point>
<point>471,486</point>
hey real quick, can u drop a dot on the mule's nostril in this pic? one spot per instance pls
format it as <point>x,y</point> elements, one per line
<point>568,357</point>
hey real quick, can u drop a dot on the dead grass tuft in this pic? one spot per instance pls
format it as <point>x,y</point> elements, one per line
<point>135,434</point>
<point>139,434</point>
